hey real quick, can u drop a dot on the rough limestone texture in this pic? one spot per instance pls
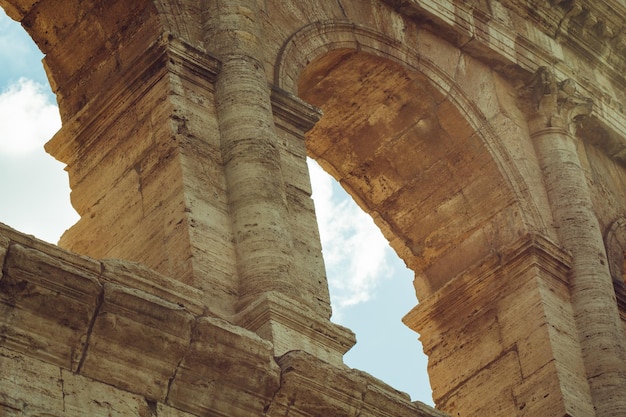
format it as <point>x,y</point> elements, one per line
<point>76,342</point>
<point>486,139</point>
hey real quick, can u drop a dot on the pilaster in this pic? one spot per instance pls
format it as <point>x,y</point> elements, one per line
<point>282,289</point>
<point>554,108</point>
<point>501,337</point>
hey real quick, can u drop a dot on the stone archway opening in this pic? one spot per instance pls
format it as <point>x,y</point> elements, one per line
<point>410,159</point>
<point>370,290</point>
<point>405,153</point>
<point>35,186</point>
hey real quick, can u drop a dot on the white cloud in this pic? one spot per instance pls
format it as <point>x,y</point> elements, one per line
<point>35,188</point>
<point>27,118</point>
<point>355,252</point>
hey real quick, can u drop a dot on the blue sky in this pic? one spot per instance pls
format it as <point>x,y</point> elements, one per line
<point>370,287</point>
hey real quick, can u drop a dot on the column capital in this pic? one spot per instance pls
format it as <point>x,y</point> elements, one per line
<point>552,104</point>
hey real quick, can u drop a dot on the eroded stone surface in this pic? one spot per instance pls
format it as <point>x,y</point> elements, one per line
<point>185,136</point>
<point>47,306</point>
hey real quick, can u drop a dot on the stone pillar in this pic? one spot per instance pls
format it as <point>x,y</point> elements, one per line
<point>501,338</point>
<point>176,163</point>
<point>554,109</point>
<point>276,299</point>
<point>250,151</point>
<point>144,164</point>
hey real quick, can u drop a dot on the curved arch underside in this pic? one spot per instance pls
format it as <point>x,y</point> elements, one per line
<point>87,42</point>
<point>412,161</point>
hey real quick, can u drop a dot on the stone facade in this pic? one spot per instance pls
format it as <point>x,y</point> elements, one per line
<point>487,139</point>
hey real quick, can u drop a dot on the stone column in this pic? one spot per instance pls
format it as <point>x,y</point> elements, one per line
<point>250,150</point>
<point>275,299</point>
<point>555,108</point>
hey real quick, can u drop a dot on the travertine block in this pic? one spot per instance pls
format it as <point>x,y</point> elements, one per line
<point>292,325</point>
<point>47,306</point>
<point>228,371</point>
<point>85,397</point>
<point>489,392</point>
<point>139,277</point>
<point>163,410</point>
<point>315,388</point>
<point>479,339</point>
<point>73,259</point>
<point>478,85</point>
<point>28,385</point>
<point>4,247</point>
<point>311,387</point>
<point>531,395</point>
<point>134,330</point>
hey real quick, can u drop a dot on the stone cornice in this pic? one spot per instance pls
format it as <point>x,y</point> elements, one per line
<point>165,56</point>
<point>482,281</point>
<point>325,339</point>
<point>293,114</point>
<point>585,24</point>
<point>330,391</point>
<point>104,321</point>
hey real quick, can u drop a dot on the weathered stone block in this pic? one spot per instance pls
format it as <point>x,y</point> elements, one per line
<point>489,392</point>
<point>47,305</point>
<point>311,387</point>
<point>134,330</point>
<point>535,395</point>
<point>314,388</point>
<point>85,397</point>
<point>29,385</point>
<point>137,276</point>
<point>291,325</point>
<point>479,339</point>
<point>228,371</point>
<point>4,247</point>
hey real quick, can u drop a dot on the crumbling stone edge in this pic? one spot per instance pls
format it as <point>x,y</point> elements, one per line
<point>126,326</point>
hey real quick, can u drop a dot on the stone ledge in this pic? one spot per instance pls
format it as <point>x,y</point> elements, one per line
<point>320,389</point>
<point>291,111</point>
<point>530,251</point>
<point>46,305</point>
<point>74,313</point>
<point>292,326</point>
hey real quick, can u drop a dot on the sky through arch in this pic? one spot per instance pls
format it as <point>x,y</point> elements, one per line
<point>34,186</point>
<point>370,287</point>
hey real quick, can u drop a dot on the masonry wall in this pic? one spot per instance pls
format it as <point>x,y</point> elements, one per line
<point>486,139</point>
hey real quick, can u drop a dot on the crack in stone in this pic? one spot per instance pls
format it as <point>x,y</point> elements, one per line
<point>152,407</point>
<point>90,330</point>
<point>268,406</point>
<point>182,358</point>
<point>62,387</point>
<point>343,11</point>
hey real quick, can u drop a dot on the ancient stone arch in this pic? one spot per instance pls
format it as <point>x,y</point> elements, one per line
<point>485,138</point>
<point>455,116</point>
